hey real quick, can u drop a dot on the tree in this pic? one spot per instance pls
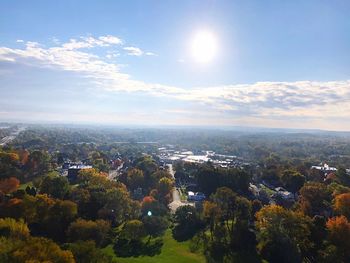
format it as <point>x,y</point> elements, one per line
<point>35,209</point>
<point>342,176</point>
<point>91,178</point>
<point>225,198</point>
<point>283,235</point>
<point>86,251</point>
<point>33,249</point>
<point>187,222</point>
<point>155,226</point>
<point>38,162</point>
<point>165,186</point>
<point>316,176</point>
<point>210,178</point>
<point>47,216</point>
<point>55,186</point>
<point>147,165</point>
<point>8,164</point>
<point>256,206</point>
<point>154,206</point>
<point>9,185</point>
<point>61,214</point>
<point>315,199</point>
<point>230,237</point>
<point>89,230</point>
<point>342,204</point>
<point>339,236</point>
<point>211,213</point>
<point>118,206</point>
<point>318,235</point>
<point>156,176</point>
<point>133,230</point>
<point>292,180</point>
<point>9,227</point>
<point>135,179</point>
<point>337,189</point>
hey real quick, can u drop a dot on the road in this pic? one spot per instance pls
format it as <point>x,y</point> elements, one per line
<point>176,196</point>
<point>113,174</point>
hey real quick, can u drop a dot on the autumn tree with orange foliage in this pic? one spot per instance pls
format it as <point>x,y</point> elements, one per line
<point>342,204</point>
<point>23,156</point>
<point>9,185</point>
<point>338,240</point>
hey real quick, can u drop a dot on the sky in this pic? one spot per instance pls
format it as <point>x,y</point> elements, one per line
<point>282,64</point>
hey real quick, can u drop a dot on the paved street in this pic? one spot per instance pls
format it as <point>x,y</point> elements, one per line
<point>176,196</point>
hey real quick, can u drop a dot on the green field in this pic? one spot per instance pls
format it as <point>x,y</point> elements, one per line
<point>172,252</point>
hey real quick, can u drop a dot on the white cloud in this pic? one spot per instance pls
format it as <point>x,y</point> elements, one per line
<point>111,40</point>
<point>133,51</point>
<point>312,100</point>
<point>19,41</point>
<point>150,54</point>
<point>90,42</point>
<point>111,55</point>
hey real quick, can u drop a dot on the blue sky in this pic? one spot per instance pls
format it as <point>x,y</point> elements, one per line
<point>278,63</point>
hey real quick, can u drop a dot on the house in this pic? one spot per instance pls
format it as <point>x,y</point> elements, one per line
<point>324,168</point>
<point>283,193</point>
<point>197,197</point>
<point>74,170</point>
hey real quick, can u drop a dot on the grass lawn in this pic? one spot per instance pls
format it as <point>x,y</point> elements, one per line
<point>172,252</point>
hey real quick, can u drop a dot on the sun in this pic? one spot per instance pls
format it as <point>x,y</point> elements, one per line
<point>203,46</point>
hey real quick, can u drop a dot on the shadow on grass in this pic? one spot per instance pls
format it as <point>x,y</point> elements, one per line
<point>136,248</point>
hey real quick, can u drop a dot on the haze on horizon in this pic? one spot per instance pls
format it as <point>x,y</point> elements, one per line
<point>213,63</point>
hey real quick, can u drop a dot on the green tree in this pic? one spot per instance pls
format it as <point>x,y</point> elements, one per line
<point>155,226</point>
<point>133,230</point>
<point>55,186</point>
<point>89,230</point>
<point>118,206</point>
<point>9,164</point>
<point>292,180</point>
<point>135,178</point>
<point>342,176</point>
<point>315,199</point>
<point>165,186</point>
<point>187,223</point>
<point>283,235</point>
<point>38,163</point>
<point>87,252</point>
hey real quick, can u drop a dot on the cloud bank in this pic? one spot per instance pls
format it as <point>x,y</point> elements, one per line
<point>304,100</point>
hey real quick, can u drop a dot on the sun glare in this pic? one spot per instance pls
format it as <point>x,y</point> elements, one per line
<point>203,46</point>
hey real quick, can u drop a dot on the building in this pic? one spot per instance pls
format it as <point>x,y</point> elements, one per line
<point>324,168</point>
<point>74,170</point>
<point>196,196</point>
